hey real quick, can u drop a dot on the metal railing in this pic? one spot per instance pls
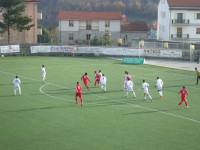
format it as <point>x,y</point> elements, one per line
<point>180,36</point>
<point>180,21</point>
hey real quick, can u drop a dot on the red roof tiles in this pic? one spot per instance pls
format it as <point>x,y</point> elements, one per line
<point>134,26</point>
<point>90,15</point>
<point>184,3</point>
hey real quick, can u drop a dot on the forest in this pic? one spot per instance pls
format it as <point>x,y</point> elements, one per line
<point>135,10</point>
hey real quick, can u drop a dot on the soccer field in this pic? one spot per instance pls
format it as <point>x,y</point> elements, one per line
<point>45,116</point>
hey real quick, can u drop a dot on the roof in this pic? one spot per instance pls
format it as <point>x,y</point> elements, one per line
<point>90,15</point>
<point>184,3</point>
<point>134,26</point>
<point>31,0</point>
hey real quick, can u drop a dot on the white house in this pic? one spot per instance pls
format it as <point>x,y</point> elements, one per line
<point>179,20</point>
<point>82,25</point>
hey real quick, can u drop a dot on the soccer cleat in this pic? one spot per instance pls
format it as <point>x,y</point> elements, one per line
<point>188,106</point>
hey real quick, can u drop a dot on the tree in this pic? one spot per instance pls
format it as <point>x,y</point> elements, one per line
<point>48,36</point>
<point>13,17</point>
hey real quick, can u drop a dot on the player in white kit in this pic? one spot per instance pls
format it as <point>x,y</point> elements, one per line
<point>17,83</point>
<point>159,85</point>
<point>103,83</point>
<point>129,87</point>
<point>145,87</point>
<point>43,73</point>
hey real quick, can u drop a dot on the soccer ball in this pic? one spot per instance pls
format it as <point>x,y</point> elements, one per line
<point>2,55</point>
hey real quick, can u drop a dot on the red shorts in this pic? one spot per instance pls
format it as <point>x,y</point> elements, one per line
<point>183,98</point>
<point>79,95</point>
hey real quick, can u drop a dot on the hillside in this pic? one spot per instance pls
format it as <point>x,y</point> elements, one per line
<point>145,10</point>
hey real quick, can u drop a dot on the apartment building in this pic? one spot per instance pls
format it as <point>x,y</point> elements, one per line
<point>83,25</point>
<point>29,36</point>
<point>179,20</point>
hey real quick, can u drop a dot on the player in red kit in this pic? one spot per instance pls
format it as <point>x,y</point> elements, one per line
<point>85,80</point>
<point>96,78</point>
<point>79,93</point>
<point>183,94</point>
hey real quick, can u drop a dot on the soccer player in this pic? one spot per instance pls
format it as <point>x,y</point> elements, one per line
<point>85,80</point>
<point>198,74</point>
<point>43,73</point>
<point>17,83</point>
<point>126,77</point>
<point>145,87</point>
<point>78,93</point>
<point>96,78</point>
<point>159,85</point>
<point>129,87</point>
<point>103,83</point>
<point>100,73</point>
<point>183,94</point>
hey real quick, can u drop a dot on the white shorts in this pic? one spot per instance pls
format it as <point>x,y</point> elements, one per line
<point>44,75</point>
<point>159,88</point>
<point>130,88</point>
<point>17,87</point>
<point>146,91</point>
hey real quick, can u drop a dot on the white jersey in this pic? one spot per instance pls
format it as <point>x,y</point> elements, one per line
<point>16,82</point>
<point>103,80</point>
<point>145,87</point>
<point>43,72</point>
<point>159,84</point>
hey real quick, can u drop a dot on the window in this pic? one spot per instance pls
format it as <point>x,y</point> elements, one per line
<point>71,23</point>
<point>88,25</point>
<point>88,36</point>
<point>71,37</point>
<point>179,32</point>
<point>197,30</point>
<point>107,24</point>
<point>197,16</point>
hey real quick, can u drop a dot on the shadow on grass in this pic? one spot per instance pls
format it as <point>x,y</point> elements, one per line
<point>35,109</point>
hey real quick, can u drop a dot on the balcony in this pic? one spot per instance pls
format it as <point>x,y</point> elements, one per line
<point>181,21</point>
<point>88,27</point>
<point>179,36</point>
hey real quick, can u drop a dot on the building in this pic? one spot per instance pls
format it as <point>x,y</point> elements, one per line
<point>25,36</point>
<point>81,26</point>
<point>133,30</point>
<point>179,20</point>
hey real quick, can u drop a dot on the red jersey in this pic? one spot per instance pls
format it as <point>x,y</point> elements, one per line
<point>97,76</point>
<point>183,93</point>
<point>78,88</point>
<point>85,78</point>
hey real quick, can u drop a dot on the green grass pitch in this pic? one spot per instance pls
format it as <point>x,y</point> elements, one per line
<point>46,117</point>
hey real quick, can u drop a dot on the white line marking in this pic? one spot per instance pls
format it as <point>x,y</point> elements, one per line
<point>170,114</point>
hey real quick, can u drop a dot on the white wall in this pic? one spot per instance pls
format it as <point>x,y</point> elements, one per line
<point>115,26</point>
<point>187,28</point>
<point>64,26</point>
<point>163,32</point>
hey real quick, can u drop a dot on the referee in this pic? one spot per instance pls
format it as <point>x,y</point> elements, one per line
<point>198,74</point>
